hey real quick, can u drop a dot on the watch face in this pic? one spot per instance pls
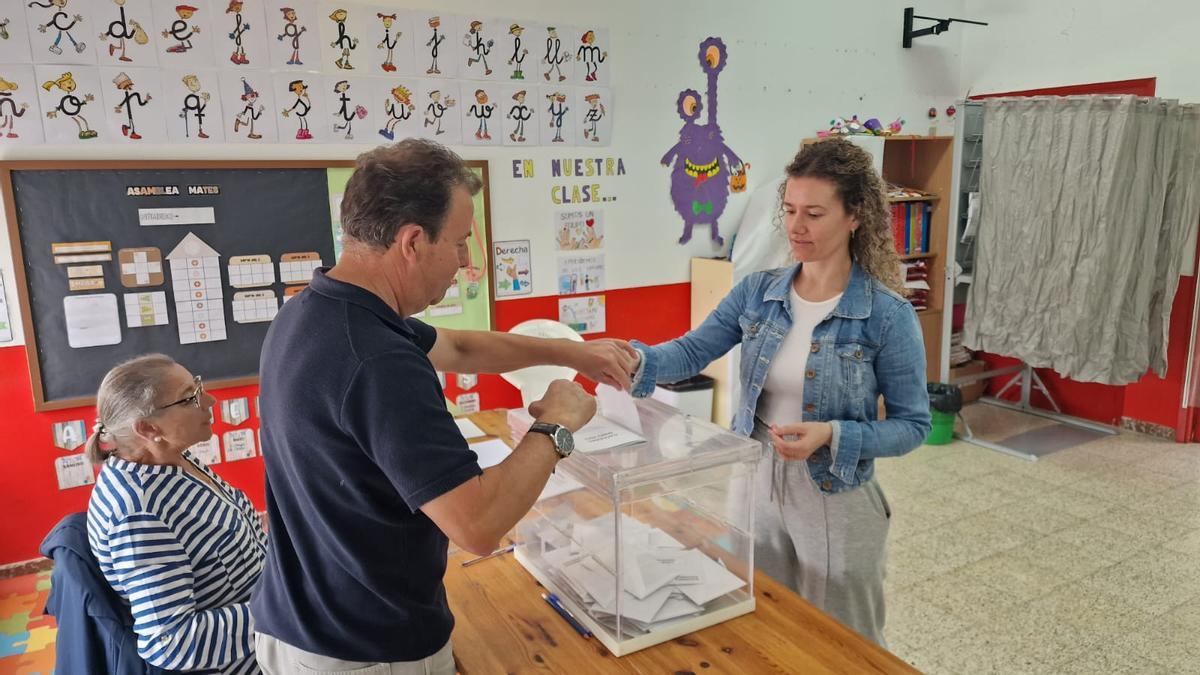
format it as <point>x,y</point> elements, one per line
<point>564,441</point>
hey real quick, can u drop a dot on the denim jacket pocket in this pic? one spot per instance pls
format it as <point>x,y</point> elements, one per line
<point>857,376</point>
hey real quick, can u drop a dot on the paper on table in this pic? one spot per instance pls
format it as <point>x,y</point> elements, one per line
<point>491,452</point>
<point>618,406</point>
<point>468,428</point>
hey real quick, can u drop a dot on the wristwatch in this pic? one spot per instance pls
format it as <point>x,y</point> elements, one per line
<point>564,442</point>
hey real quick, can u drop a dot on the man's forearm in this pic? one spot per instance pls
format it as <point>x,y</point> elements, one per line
<point>512,486</point>
<point>490,352</point>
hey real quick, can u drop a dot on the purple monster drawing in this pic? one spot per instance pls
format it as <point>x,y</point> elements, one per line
<point>700,179</point>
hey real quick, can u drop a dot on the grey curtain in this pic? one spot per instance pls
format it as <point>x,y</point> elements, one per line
<point>1087,202</point>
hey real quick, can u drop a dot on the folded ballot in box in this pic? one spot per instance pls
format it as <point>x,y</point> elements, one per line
<point>658,541</point>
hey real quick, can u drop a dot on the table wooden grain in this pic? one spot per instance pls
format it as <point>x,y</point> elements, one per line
<point>504,626</point>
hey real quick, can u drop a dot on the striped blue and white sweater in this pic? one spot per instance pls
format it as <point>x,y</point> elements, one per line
<point>184,557</point>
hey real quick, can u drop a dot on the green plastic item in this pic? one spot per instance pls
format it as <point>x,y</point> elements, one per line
<point>943,428</point>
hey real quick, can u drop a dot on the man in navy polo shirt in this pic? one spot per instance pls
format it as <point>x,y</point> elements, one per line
<point>367,474</point>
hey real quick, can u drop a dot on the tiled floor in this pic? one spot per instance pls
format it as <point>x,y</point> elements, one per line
<point>1082,562</point>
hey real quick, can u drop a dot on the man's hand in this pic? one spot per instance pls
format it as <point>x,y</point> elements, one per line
<point>565,403</point>
<point>611,362</point>
<point>799,441</point>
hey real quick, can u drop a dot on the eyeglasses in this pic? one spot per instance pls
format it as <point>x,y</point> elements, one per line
<point>193,400</point>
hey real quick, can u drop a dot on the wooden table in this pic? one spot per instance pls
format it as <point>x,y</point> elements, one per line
<point>504,626</point>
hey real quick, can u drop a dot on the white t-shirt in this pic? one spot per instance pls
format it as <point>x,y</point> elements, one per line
<point>782,398</point>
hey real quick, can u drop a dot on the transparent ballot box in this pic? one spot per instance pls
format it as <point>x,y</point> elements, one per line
<point>646,532</point>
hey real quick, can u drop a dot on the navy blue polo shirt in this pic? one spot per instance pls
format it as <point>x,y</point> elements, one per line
<point>356,438</point>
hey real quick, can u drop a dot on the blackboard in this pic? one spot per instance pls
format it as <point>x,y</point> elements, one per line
<point>259,208</point>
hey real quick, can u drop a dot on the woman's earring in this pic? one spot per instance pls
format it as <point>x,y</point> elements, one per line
<point>158,439</point>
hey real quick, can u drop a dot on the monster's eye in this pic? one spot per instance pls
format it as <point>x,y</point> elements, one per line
<point>712,55</point>
<point>689,105</point>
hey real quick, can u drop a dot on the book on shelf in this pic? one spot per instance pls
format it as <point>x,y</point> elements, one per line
<point>910,226</point>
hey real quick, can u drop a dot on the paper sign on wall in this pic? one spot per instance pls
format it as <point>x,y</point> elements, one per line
<point>92,320</point>
<point>208,452</point>
<point>580,273</point>
<point>249,271</point>
<point>140,266</point>
<point>579,229</point>
<point>235,410</point>
<point>513,273</point>
<point>5,325</point>
<point>297,268</point>
<point>73,471</point>
<point>585,315</point>
<point>255,306</point>
<point>468,403</point>
<point>239,445</point>
<point>145,309</point>
<point>69,435</point>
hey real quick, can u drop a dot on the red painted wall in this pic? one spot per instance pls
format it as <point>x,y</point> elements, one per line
<point>1151,399</point>
<point>28,487</point>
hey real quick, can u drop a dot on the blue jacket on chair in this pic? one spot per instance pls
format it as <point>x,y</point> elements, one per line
<point>95,628</point>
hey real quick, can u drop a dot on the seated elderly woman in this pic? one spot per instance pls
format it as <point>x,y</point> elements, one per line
<point>180,545</point>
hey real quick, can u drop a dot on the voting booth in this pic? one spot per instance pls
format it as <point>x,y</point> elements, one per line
<point>649,532</point>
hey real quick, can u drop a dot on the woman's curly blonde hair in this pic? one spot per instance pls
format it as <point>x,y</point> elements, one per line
<point>861,190</point>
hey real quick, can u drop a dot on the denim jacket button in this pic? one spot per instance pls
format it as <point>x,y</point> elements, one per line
<point>816,347</point>
<point>826,485</point>
<point>811,407</point>
<point>810,374</point>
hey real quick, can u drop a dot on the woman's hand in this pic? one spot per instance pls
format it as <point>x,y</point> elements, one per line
<point>799,441</point>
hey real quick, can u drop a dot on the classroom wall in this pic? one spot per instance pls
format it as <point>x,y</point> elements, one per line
<point>792,66</point>
<point>1068,43</point>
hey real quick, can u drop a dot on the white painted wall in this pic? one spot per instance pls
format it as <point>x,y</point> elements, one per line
<point>1030,45</point>
<point>792,66</point>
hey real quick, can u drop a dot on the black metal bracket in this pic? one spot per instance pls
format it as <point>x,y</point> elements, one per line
<point>938,28</point>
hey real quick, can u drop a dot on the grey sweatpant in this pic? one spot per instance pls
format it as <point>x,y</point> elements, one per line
<point>829,548</point>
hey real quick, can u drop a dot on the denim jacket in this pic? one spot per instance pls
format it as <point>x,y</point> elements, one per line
<point>869,345</point>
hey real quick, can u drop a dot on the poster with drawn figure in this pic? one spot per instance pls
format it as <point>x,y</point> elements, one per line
<point>480,114</point>
<point>193,102</point>
<point>579,229</point>
<point>348,101</point>
<point>20,114</point>
<point>595,116</point>
<point>513,273</point>
<point>60,32</point>
<point>248,112</point>
<point>302,115</point>
<point>294,34</point>
<point>585,315</point>
<point>436,45</point>
<point>516,50</point>
<point>71,104</point>
<point>14,33</point>
<point>135,109</point>
<point>441,118</point>
<point>480,55</point>
<point>580,273</point>
<point>393,109</point>
<point>388,41</point>
<point>343,29</point>
<point>234,411</point>
<point>240,34</point>
<point>556,108</point>
<point>517,112</point>
<point>124,33</point>
<point>556,56</point>
<point>184,33</point>
<point>589,49</point>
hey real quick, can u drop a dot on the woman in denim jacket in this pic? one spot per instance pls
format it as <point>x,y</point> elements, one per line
<point>821,341</point>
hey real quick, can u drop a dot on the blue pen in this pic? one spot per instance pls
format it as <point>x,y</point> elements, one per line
<point>554,602</point>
